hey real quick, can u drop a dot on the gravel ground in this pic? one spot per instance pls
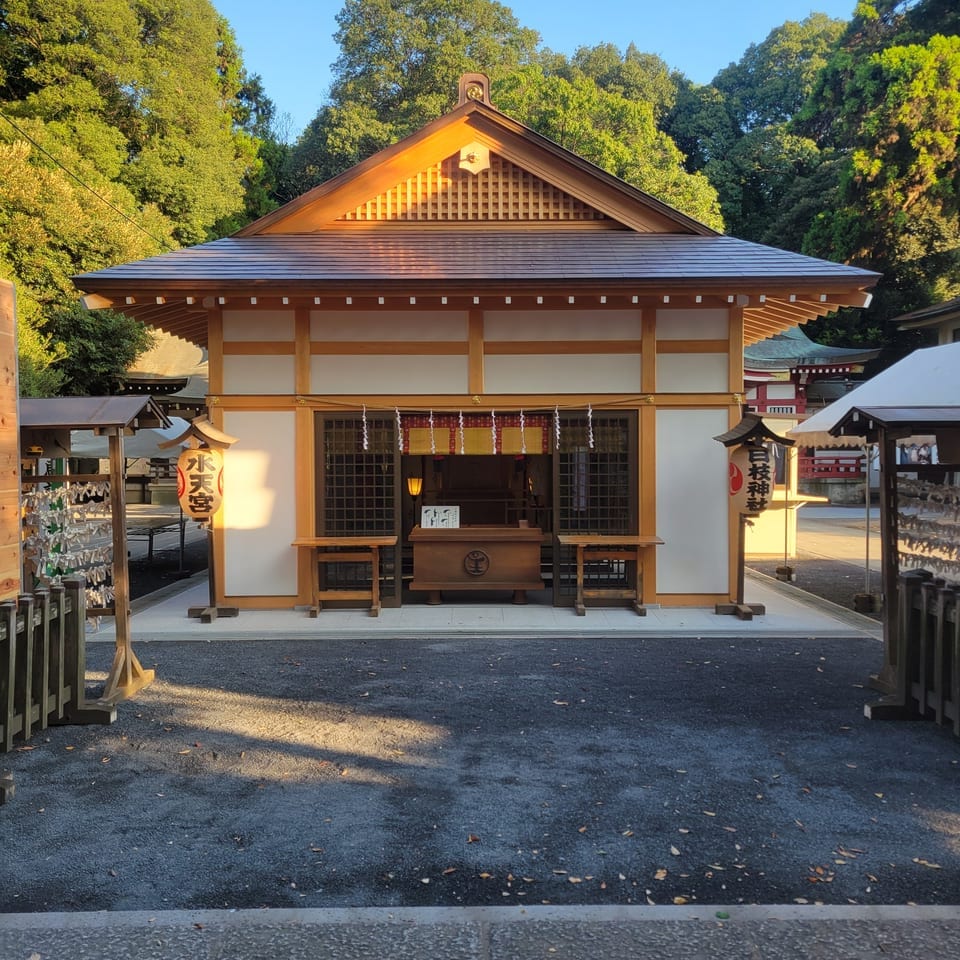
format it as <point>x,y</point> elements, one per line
<point>835,580</point>
<point>457,772</point>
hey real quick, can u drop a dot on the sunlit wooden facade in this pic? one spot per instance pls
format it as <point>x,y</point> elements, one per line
<point>482,309</point>
<point>9,448</point>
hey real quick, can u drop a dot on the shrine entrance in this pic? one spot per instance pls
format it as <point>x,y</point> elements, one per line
<point>546,473</point>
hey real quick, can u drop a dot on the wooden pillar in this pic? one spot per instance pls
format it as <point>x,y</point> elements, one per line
<point>127,676</point>
<point>648,449</point>
<point>9,448</point>
<point>885,680</point>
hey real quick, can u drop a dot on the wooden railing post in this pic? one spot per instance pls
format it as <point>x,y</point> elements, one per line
<point>24,673</point>
<point>77,709</point>
<point>897,650</point>
<point>41,656</point>
<point>58,626</point>
<point>8,673</point>
<point>954,684</point>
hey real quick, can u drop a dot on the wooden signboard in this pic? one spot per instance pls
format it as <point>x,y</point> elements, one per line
<point>9,448</point>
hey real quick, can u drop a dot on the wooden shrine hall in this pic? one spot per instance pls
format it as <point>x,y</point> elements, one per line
<point>475,364</point>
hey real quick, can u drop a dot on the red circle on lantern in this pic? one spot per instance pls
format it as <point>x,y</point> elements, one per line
<point>736,479</point>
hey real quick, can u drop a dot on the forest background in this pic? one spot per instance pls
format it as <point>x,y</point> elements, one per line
<point>131,127</point>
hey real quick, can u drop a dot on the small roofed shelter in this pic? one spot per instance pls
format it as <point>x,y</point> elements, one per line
<point>928,377</point>
<point>919,503</point>
<point>529,341</point>
<point>45,428</point>
<point>916,397</point>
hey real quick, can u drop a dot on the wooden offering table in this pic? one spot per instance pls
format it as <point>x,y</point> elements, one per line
<point>592,547</point>
<point>476,558</point>
<point>364,550</point>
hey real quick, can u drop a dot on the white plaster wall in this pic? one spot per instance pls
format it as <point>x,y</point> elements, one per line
<point>591,373</point>
<point>256,374</point>
<point>258,325</point>
<point>781,391</point>
<point>693,324</point>
<point>504,325</point>
<point>692,502</point>
<point>259,505</point>
<point>384,375</point>
<point>692,373</point>
<point>340,325</point>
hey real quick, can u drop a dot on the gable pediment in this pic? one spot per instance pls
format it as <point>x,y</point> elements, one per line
<point>450,192</point>
<point>428,178</point>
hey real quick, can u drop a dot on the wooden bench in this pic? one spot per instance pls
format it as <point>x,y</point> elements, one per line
<point>332,550</point>
<point>593,547</point>
<point>149,527</point>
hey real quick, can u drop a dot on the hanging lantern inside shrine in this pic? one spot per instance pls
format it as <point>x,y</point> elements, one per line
<point>200,482</point>
<point>751,478</point>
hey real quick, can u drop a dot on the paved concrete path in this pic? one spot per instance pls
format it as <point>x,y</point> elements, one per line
<point>542,933</point>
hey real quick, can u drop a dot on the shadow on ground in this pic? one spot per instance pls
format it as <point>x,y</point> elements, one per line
<point>526,771</point>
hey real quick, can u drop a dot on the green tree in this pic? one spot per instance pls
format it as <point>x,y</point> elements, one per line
<point>700,124</point>
<point>897,207</point>
<point>399,67</point>
<point>51,228</point>
<point>633,75</point>
<point>98,348</point>
<point>773,79</point>
<point>753,176</point>
<point>126,127</point>
<point>144,89</point>
<point>616,134</point>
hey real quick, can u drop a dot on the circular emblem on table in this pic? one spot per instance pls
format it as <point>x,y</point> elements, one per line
<point>476,563</point>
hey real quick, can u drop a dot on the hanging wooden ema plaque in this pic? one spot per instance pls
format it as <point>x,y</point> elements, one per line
<point>200,482</point>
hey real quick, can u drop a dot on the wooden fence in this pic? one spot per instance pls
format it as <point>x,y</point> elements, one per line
<point>831,467</point>
<point>928,653</point>
<point>42,663</point>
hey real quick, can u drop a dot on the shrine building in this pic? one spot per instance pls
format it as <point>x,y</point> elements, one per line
<point>475,364</point>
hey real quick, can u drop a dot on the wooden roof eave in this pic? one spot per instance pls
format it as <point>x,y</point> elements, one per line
<point>189,321</point>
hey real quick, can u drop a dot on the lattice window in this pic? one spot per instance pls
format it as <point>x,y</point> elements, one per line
<point>357,495</point>
<point>445,193</point>
<point>596,492</point>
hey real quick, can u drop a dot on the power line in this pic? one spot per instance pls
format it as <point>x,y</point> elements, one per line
<point>86,186</point>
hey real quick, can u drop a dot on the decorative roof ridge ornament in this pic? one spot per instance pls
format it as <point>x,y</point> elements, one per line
<point>476,87</point>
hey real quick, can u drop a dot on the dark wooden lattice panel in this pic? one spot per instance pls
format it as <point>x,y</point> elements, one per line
<point>596,492</point>
<point>503,192</point>
<point>357,496</point>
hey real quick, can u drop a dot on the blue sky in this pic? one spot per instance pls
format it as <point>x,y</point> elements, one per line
<point>290,42</point>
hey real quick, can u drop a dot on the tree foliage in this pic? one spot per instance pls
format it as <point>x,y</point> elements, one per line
<point>617,134</point>
<point>399,66</point>
<point>773,79</point>
<point>841,141</point>
<point>895,122</point>
<point>126,127</point>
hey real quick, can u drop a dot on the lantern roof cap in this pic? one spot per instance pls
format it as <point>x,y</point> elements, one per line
<point>203,431</point>
<point>752,429</point>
